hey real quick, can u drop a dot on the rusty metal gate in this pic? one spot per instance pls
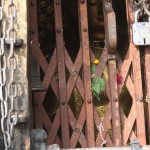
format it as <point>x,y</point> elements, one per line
<point>67,130</point>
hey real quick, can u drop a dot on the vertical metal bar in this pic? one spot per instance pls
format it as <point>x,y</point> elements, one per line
<point>34,50</point>
<point>116,129</point>
<point>86,71</point>
<point>38,110</point>
<point>147,77</point>
<point>140,120</point>
<point>61,74</point>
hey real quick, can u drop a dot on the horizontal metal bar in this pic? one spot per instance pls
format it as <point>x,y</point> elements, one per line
<point>110,148</point>
<point>56,147</point>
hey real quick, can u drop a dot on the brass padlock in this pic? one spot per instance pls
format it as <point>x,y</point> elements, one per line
<point>141,31</point>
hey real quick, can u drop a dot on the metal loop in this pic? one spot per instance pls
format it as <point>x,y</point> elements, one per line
<point>11,8</point>
<point>12,63</point>
<point>136,15</point>
<point>4,110</point>
<point>3,78</point>
<point>138,3</point>
<point>7,140</point>
<point>1,13</point>
<point>12,90</point>
<point>11,31</point>
<point>145,7</point>
<point>10,120</point>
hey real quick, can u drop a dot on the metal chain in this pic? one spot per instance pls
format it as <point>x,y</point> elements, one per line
<point>8,92</point>
<point>3,87</point>
<point>11,64</point>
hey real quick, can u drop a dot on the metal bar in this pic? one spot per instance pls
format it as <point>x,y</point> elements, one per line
<point>38,110</point>
<point>127,122</point>
<point>34,29</point>
<point>139,97</point>
<point>147,77</point>
<point>61,74</point>
<point>140,120</point>
<point>47,124</point>
<point>110,148</point>
<point>76,125</point>
<point>116,130</point>
<point>82,5</point>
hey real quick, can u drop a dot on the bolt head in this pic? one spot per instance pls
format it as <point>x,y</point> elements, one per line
<point>74,73</point>
<point>57,2</point>
<point>89,101</point>
<point>77,130</point>
<point>32,3</point>
<point>58,30</point>
<point>63,103</point>
<point>115,99</point>
<point>140,98</point>
<point>82,1</point>
<point>84,29</point>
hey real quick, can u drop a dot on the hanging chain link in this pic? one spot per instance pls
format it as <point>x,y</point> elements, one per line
<point>8,91</point>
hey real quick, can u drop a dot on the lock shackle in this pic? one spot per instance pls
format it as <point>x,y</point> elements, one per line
<point>145,7</point>
<point>136,15</point>
<point>138,3</point>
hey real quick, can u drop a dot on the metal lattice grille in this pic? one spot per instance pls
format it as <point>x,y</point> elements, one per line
<point>68,129</point>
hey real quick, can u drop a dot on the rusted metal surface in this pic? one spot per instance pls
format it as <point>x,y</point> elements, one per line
<point>147,78</point>
<point>110,26</point>
<point>116,129</point>
<point>86,72</point>
<point>61,74</point>
<point>124,128</point>
<point>137,79</point>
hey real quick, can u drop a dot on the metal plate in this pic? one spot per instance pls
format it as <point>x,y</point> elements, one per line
<point>141,33</point>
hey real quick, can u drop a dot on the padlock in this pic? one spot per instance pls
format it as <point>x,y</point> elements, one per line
<point>141,31</point>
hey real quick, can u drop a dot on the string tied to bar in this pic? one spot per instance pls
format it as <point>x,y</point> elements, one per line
<point>100,128</point>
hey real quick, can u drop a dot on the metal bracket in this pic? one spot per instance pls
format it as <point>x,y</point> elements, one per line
<point>21,118</point>
<point>135,145</point>
<point>18,43</point>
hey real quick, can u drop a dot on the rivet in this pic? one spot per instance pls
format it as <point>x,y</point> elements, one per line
<point>33,31</point>
<point>148,99</point>
<point>89,101</point>
<point>140,98</point>
<point>84,29</point>
<point>57,2</point>
<point>77,130</point>
<point>58,30</point>
<point>74,73</point>
<point>115,99</point>
<point>63,103</point>
<point>82,1</point>
<point>32,2</point>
